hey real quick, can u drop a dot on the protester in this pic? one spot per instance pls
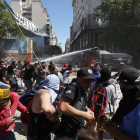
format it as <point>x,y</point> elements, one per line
<point>9,103</point>
<point>1,83</point>
<point>12,70</point>
<point>19,65</point>
<point>42,73</point>
<point>96,72</point>
<point>73,102</point>
<point>112,81</point>
<point>4,77</point>
<point>67,72</point>
<point>65,66</point>
<point>52,70</point>
<point>108,95</point>
<point>43,105</point>
<point>1,64</point>
<point>27,79</point>
<point>22,72</point>
<point>127,115</point>
<point>12,75</point>
<point>52,63</point>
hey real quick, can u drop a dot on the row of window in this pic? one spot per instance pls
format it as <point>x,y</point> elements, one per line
<point>27,14</point>
<point>25,9</point>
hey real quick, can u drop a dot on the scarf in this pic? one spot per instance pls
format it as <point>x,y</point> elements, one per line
<point>51,83</point>
<point>131,98</point>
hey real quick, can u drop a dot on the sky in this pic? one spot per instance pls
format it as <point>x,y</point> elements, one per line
<point>61,17</point>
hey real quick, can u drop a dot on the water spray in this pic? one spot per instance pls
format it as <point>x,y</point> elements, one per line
<point>63,55</point>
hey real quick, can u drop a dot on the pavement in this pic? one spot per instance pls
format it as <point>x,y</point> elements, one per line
<point>18,128</point>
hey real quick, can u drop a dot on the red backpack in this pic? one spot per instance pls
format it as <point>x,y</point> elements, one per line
<point>98,101</point>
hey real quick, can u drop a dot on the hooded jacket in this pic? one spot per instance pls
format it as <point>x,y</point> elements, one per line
<point>5,113</point>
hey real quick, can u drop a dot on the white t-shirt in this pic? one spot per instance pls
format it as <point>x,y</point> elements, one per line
<point>66,77</point>
<point>60,76</point>
<point>110,92</point>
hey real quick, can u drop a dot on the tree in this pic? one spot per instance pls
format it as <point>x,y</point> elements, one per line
<point>55,50</point>
<point>7,23</point>
<point>123,24</point>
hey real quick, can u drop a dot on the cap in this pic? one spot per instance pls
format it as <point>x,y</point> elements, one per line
<point>65,65</point>
<point>86,73</point>
<point>130,76</point>
<point>4,94</point>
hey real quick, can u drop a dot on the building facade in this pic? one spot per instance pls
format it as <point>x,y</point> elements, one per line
<point>85,32</point>
<point>35,12</point>
<point>53,38</point>
<point>67,45</point>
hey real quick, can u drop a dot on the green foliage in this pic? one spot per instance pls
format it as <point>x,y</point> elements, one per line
<point>123,20</point>
<point>7,23</point>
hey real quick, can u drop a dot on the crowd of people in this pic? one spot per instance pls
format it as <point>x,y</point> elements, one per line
<point>55,107</point>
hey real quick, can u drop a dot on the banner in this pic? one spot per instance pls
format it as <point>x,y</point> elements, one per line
<point>29,58</point>
<point>27,27</point>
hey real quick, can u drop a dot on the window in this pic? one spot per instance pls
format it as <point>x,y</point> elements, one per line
<point>27,14</point>
<point>23,0</point>
<point>24,9</point>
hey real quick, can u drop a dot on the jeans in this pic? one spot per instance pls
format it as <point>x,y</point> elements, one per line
<point>28,84</point>
<point>9,136</point>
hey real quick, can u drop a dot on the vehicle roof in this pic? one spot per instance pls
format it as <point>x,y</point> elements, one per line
<point>104,52</point>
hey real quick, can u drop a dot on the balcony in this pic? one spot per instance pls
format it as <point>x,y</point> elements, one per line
<point>27,6</point>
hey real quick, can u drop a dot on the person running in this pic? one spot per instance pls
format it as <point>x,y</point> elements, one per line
<point>127,116</point>
<point>109,89</point>
<point>9,103</point>
<point>73,104</point>
<point>43,109</point>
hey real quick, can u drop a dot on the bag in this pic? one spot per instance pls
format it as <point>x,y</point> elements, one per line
<point>98,101</point>
<point>26,97</point>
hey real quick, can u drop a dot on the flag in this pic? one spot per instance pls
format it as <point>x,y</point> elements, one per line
<point>9,54</point>
<point>29,58</point>
<point>27,27</point>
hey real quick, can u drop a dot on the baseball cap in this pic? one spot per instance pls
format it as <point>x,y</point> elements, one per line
<point>4,94</point>
<point>86,73</point>
<point>130,76</point>
<point>65,65</point>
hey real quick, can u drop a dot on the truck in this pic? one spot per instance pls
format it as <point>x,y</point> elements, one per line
<point>107,59</point>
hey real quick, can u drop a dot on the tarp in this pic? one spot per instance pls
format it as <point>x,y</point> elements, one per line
<point>27,27</point>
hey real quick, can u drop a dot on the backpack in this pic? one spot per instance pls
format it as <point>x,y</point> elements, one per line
<point>26,97</point>
<point>98,101</point>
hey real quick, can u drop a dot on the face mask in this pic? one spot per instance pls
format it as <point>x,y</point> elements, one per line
<point>129,93</point>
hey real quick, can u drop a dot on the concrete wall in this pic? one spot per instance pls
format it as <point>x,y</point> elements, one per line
<point>16,5</point>
<point>39,15</point>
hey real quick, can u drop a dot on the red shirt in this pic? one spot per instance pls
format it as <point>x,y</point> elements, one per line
<point>5,113</point>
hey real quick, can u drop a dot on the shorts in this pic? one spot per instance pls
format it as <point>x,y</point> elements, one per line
<point>114,102</point>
